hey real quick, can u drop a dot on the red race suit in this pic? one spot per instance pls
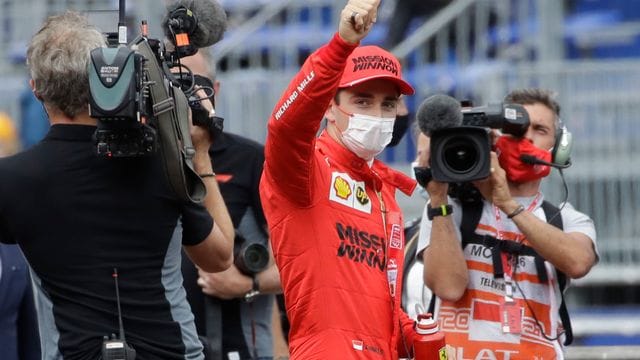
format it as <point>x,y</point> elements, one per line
<point>336,229</point>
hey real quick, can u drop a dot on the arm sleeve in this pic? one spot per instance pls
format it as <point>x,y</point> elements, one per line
<point>256,204</point>
<point>197,224</point>
<point>296,119</point>
<point>405,342</point>
<point>575,221</point>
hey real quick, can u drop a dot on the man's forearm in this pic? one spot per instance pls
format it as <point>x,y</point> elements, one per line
<point>216,252</point>
<point>270,280</point>
<point>445,269</point>
<point>213,201</point>
<point>571,253</point>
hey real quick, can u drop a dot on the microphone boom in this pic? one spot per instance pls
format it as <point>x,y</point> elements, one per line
<point>532,160</point>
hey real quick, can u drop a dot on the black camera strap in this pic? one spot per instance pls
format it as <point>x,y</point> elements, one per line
<point>171,111</point>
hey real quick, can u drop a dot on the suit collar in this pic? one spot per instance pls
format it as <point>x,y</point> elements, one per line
<point>359,167</point>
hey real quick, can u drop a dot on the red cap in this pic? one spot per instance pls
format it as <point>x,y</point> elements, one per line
<point>372,62</point>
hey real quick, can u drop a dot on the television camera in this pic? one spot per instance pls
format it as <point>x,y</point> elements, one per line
<point>141,106</point>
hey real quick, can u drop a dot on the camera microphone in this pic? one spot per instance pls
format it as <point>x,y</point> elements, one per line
<point>532,160</point>
<point>438,112</point>
<point>203,21</point>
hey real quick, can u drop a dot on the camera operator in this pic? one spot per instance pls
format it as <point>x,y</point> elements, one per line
<point>233,308</point>
<point>500,294</point>
<point>83,221</point>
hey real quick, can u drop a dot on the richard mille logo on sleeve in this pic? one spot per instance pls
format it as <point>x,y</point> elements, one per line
<point>348,192</point>
<point>396,237</point>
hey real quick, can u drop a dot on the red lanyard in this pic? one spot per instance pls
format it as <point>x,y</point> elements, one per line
<point>500,235</point>
<point>395,254</point>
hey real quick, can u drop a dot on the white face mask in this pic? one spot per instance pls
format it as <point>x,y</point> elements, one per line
<point>366,136</point>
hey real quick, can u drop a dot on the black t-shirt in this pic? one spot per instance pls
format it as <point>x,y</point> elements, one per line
<point>238,163</point>
<point>76,218</point>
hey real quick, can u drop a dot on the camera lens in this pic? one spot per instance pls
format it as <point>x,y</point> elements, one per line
<point>460,155</point>
<point>254,255</point>
<point>252,258</point>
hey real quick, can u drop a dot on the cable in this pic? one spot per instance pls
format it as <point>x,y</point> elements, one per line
<point>535,318</point>
<point>180,66</point>
<point>515,268</point>
<point>209,93</point>
<point>187,77</point>
<point>566,196</point>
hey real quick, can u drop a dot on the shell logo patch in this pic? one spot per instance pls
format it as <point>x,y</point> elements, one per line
<point>342,189</point>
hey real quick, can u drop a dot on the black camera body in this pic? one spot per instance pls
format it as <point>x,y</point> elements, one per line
<point>120,88</point>
<point>463,153</point>
<point>118,100</point>
<point>249,257</point>
<point>116,83</point>
<point>140,107</point>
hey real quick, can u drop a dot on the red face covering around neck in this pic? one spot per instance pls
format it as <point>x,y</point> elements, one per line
<point>510,148</point>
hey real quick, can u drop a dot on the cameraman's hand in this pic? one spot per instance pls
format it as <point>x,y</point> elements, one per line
<point>495,188</point>
<point>226,285</point>
<point>200,135</point>
<point>438,192</point>
<point>201,139</point>
<point>356,19</point>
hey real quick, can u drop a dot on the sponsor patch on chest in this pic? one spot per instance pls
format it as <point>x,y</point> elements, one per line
<point>348,192</point>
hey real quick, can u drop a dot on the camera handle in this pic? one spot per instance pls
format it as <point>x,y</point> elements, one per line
<point>122,26</point>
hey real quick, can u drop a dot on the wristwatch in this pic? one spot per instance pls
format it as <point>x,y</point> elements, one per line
<point>442,210</point>
<point>255,290</point>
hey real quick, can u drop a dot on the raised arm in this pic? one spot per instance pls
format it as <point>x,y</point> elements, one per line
<point>215,253</point>
<point>571,252</point>
<point>296,118</point>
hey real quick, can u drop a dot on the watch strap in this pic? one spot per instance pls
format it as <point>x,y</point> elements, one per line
<point>442,210</point>
<point>256,283</point>
<point>255,290</point>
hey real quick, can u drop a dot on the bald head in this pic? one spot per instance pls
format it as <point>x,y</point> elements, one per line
<point>200,64</point>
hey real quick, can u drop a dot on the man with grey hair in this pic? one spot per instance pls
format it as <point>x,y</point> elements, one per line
<point>78,217</point>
